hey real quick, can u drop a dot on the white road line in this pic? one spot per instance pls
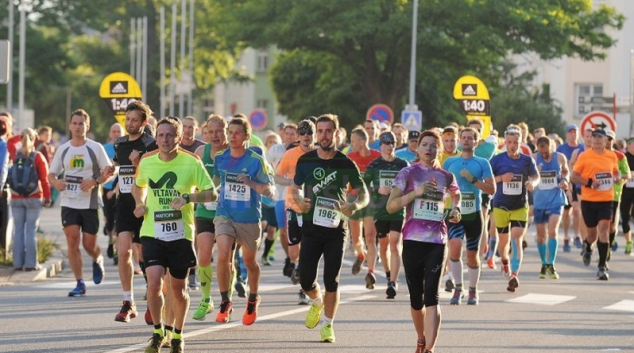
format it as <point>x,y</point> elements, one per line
<point>542,299</point>
<point>239,323</point>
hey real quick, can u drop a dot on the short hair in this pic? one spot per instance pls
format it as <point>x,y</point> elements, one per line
<point>523,126</point>
<point>476,134</point>
<point>513,129</point>
<point>191,118</point>
<point>173,121</point>
<point>432,133</point>
<point>45,128</point>
<point>244,122</point>
<point>540,129</point>
<point>290,126</point>
<point>217,118</point>
<point>141,107</point>
<point>272,136</point>
<point>475,121</point>
<point>239,115</point>
<point>543,140</point>
<point>450,130</point>
<point>361,133</point>
<point>81,112</point>
<point>329,117</point>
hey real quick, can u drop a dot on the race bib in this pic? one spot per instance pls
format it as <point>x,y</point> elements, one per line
<point>468,203</point>
<point>386,177</point>
<point>629,183</point>
<point>327,213</point>
<point>605,181</point>
<point>548,180</point>
<point>236,190</point>
<point>73,189</point>
<point>211,206</point>
<point>430,207</point>
<point>168,225</point>
<point>126,178</point>
<point>514,187</point>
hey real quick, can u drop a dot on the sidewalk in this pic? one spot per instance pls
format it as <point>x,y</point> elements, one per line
<point>50,223</point>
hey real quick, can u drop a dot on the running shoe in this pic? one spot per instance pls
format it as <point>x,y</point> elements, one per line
<point>542,272</point>
<point>115,260</point>
<point>524,244</point>
<point>513,283</point>
<point>628,248</point>
<point>491,263</point>
<point>449,285</point>
<point>192,282</point>
<point>295,276</point>
<point>615,246</point>
<point>567,245</point>
<point>110,251</point>
<point>204,308</point>
<point>251,312</point>
<point>391,290</point>
<point>552,272</point>
<point>178,345</point>
<point>506,272</point>
<point>458,294</point>
<point>327,334</point>
<point>288,267</point>
<point>303,298</point>
<point>79,291</point>
<point>602,274</point>
<point>224,315</point>
<point>156,342</point>
<point>587,257</point>
<point>473,298</point>
<point>148,317</point>
<point>98,270</point>
<point>578,243</point>
<point>356,267</point>
<point>240,288</point>
<point>609,257</point>
<point>168,339</point>
<point>127,312</point>
<point>265,261</point>
<point>313,315</point>
<point>420,346</point>
<point>370,280</point>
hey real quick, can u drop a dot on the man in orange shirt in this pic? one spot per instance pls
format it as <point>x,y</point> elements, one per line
<point>284,174</point>
<point>596,170</point>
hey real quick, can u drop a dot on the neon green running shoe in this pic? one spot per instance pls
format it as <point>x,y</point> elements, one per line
<point>204,308</point>
<point>327,334</point>
<point>628,248</point>
<point>312,317</point>
<point>156,342</point>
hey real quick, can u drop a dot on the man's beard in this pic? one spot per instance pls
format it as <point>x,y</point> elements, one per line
<point>326,148</point>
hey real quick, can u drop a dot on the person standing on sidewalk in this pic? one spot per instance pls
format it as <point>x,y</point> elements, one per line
<point>27,197</point>
<point>163,192</point>
<point>84,163</point>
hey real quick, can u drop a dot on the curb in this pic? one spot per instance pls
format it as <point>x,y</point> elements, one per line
<point>49,269</point>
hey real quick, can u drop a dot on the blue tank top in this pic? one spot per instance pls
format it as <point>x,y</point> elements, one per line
<point>548,194</point>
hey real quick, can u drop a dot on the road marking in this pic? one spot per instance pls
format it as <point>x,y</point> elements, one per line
<point>623,305</point>
<point>239,323</point>
<point>541,299</point>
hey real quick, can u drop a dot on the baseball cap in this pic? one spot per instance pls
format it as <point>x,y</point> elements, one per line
<point>413,135</point>
<point>599,132</point>
<point>571,127</point>
<point>382,125</point>
<point>610,134</point>
<point>387,138</point>
<point>305,127</point>
<point>280,125</point>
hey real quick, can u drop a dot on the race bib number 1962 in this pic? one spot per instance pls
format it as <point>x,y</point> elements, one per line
<point>327,213</point>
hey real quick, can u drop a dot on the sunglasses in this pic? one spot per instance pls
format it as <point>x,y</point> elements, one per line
<point>302,133</point>
<point>387,142</point>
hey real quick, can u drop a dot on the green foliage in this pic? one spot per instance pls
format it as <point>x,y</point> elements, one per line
<point>46,248</point>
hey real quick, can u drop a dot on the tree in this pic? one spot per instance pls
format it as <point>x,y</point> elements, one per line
<point>371,40</point>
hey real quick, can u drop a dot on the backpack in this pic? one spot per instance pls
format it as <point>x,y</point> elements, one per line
<point>23,178</point>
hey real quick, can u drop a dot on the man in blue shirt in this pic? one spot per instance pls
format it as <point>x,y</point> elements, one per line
<point>411,151</point>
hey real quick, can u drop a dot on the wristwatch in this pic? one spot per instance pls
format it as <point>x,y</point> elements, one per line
<point>97,180</point>
<point>474,180</point>
<point>185,197</point>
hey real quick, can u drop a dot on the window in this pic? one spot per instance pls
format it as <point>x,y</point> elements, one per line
<point>262,104</point>
<point>584,102</point>
<point>263,60</point>
<point>208,106</point>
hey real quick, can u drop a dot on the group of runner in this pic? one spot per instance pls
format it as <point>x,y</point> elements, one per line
<point>407,197</point>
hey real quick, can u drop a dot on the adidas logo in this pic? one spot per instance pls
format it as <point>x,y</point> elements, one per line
<point>469,90</point>
<point>118,88</point>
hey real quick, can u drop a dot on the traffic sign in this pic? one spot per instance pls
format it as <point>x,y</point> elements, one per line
<point>412,120</point>
<point>258,119</point>
<point>380,113</point>
<point>597,120</point>
<point>118,90</point>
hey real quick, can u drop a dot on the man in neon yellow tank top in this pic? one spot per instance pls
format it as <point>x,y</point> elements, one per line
<point>164,182</point>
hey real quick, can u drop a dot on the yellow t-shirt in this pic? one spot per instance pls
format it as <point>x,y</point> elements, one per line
<point>445,155</point>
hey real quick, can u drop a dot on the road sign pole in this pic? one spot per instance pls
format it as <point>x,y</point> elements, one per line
<point>412,70</point>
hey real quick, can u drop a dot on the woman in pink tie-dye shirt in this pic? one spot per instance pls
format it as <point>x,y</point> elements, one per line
<point>421,188</point>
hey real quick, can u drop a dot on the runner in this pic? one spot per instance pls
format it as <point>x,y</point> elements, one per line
<point>380,174</point>
<point>83,162</point>
<point>128,152</point>
<point>243,175</point>
<point>372,129</point>
<point>580,242</point>
<point>474,176</point>
<point>624,170</point>
<point>627,198</point>
<point>597,170</point>
<point>572,208</point>
<point>190,129</point>
<point>362,222</point>
<point>110,200</point>
<point>323,176</point>
<point>284,175</point>
<point>421,188</point>
<point>515,173</point>
<point>205,214</point>
<point>549,198</point>
<point>163,192</point>
<point>410,152</point>
<point>400,132</point>
<point>449,143</point>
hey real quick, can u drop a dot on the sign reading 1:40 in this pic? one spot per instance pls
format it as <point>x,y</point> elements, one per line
<point>473,96</point>
<point>118,90</point>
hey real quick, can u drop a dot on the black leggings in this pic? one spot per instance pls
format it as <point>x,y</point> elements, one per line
<point>627,201</point>
<point>423,264</point>
<point>314,245</point>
